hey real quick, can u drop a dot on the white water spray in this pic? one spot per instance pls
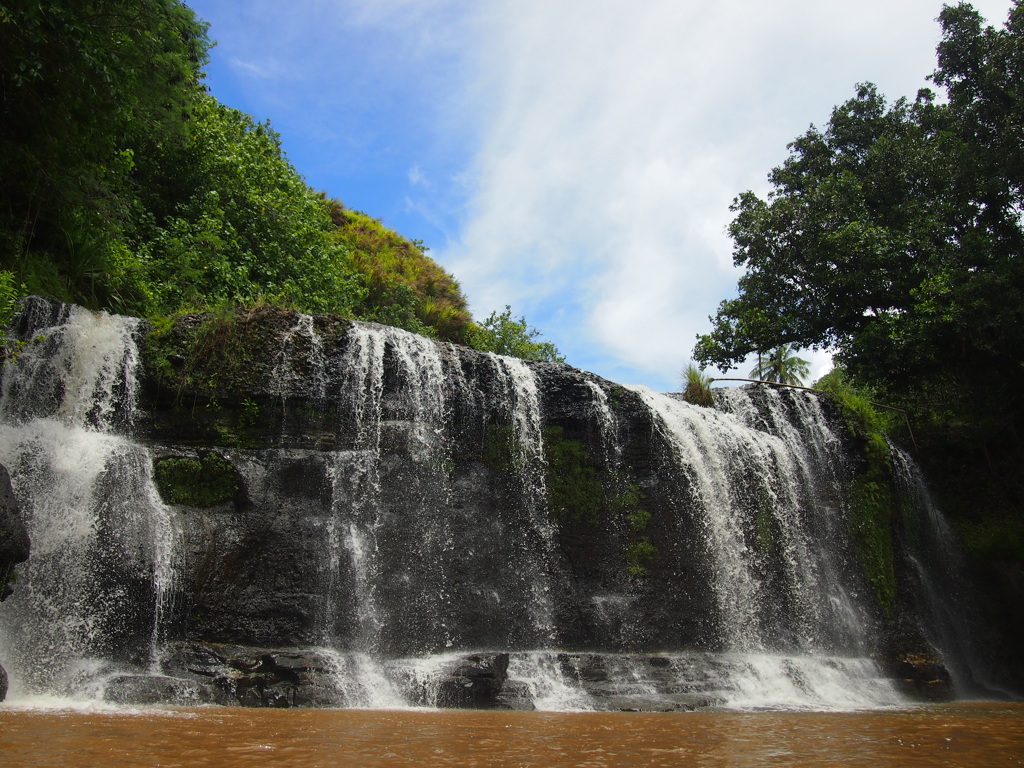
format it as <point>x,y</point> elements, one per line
<point>96,522</point>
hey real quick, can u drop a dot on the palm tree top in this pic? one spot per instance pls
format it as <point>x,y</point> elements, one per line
<point>781,365</point>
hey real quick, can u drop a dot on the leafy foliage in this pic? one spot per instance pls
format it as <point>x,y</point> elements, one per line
<point>781,365</point>
<point>894,236</point>
<point>855,404</point>
<point>8,297</point>
<point>125,186</point>
<point>697,387</point>
<point>231,220</point>
<point>404,286</point>
<point>503,335</point>
<point>86,87</point>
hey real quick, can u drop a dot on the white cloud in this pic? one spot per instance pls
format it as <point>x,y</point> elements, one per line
<point>248,68</point>
<point>616,134</point>
<point>581,157</point>
<point>417,178</point>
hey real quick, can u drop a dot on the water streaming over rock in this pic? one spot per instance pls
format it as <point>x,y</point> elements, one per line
<point>938,561</point>
<point>101,575</point>
<point>407,522</point>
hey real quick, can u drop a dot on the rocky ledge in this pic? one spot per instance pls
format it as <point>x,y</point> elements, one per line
<point>232,675</point>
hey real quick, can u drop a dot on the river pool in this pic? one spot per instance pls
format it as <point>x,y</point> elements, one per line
<point>962,734</point>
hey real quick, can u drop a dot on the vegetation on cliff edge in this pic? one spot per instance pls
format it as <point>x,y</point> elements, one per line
<point>124,185</point>
<point>894,236</point>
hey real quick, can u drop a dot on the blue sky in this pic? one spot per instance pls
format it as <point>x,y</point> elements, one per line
<point>575,160</point>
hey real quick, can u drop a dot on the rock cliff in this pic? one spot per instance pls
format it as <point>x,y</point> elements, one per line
<point>284,509</point>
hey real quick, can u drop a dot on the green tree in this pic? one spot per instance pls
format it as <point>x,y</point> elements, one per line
<point>86,86</point>
<point>503,335</point>
<point>228,219</point>
<point>894,236</point>
<point>782,365</point>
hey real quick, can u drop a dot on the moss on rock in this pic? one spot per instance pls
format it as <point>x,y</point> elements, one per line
<point>197,482</point>
<point>574,488</point>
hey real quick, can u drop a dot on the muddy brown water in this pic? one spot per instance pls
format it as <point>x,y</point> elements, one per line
<point>974,734</point>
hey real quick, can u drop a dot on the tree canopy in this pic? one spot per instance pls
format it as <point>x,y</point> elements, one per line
<point>86,86</point>
<point>895,236</point>
<point>504,335</point>
<point>781,365</point>
<point>125,185</point>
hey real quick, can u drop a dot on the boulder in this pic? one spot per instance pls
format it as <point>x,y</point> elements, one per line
<point>474,681</point>
<point>923,677</point>
<point>255,677</point>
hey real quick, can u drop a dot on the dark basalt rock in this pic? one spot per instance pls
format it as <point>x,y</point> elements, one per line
<point>14,541</point>
<point>922,677</point>
<point>514,695</point>
<point>161,689</point>
<point>329,483</point>
<point>255,677</point>
<point>475,681</point>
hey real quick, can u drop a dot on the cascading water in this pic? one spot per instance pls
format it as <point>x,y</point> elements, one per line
<point>810,475</point>
<point>766,495</point>
<point>392,512</point>
<point>536,542</point>
<point>939,564</point>
<point>101,572</point>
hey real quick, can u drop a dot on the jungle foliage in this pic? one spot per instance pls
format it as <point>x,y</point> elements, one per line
<point>404,286</point>
<point>895,237</point>
<point>504,335</point>
<point>124,185</point>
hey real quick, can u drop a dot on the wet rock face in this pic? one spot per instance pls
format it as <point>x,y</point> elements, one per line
<point>207,673</point>
<point>278,498</point>
<point>14,546</point>
<point>470,682</point>
<point>395,495</point>
<point>199,673</point>
<point>14,540</point>
<point>922,677</point>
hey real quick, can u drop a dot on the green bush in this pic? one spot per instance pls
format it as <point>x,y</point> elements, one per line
<point>503,335</point>
<point>574,488</point>
<point>697,387</point>
<point>204,482</point>
<point>404,286</point>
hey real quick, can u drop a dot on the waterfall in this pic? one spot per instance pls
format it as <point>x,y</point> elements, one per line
<point>536,543</point>
<point>813,469</point>
<point>101,573</point>
<point>767,498</point>
<point>760,499</point>
<point>950,621</point>
<point>394,517</point>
